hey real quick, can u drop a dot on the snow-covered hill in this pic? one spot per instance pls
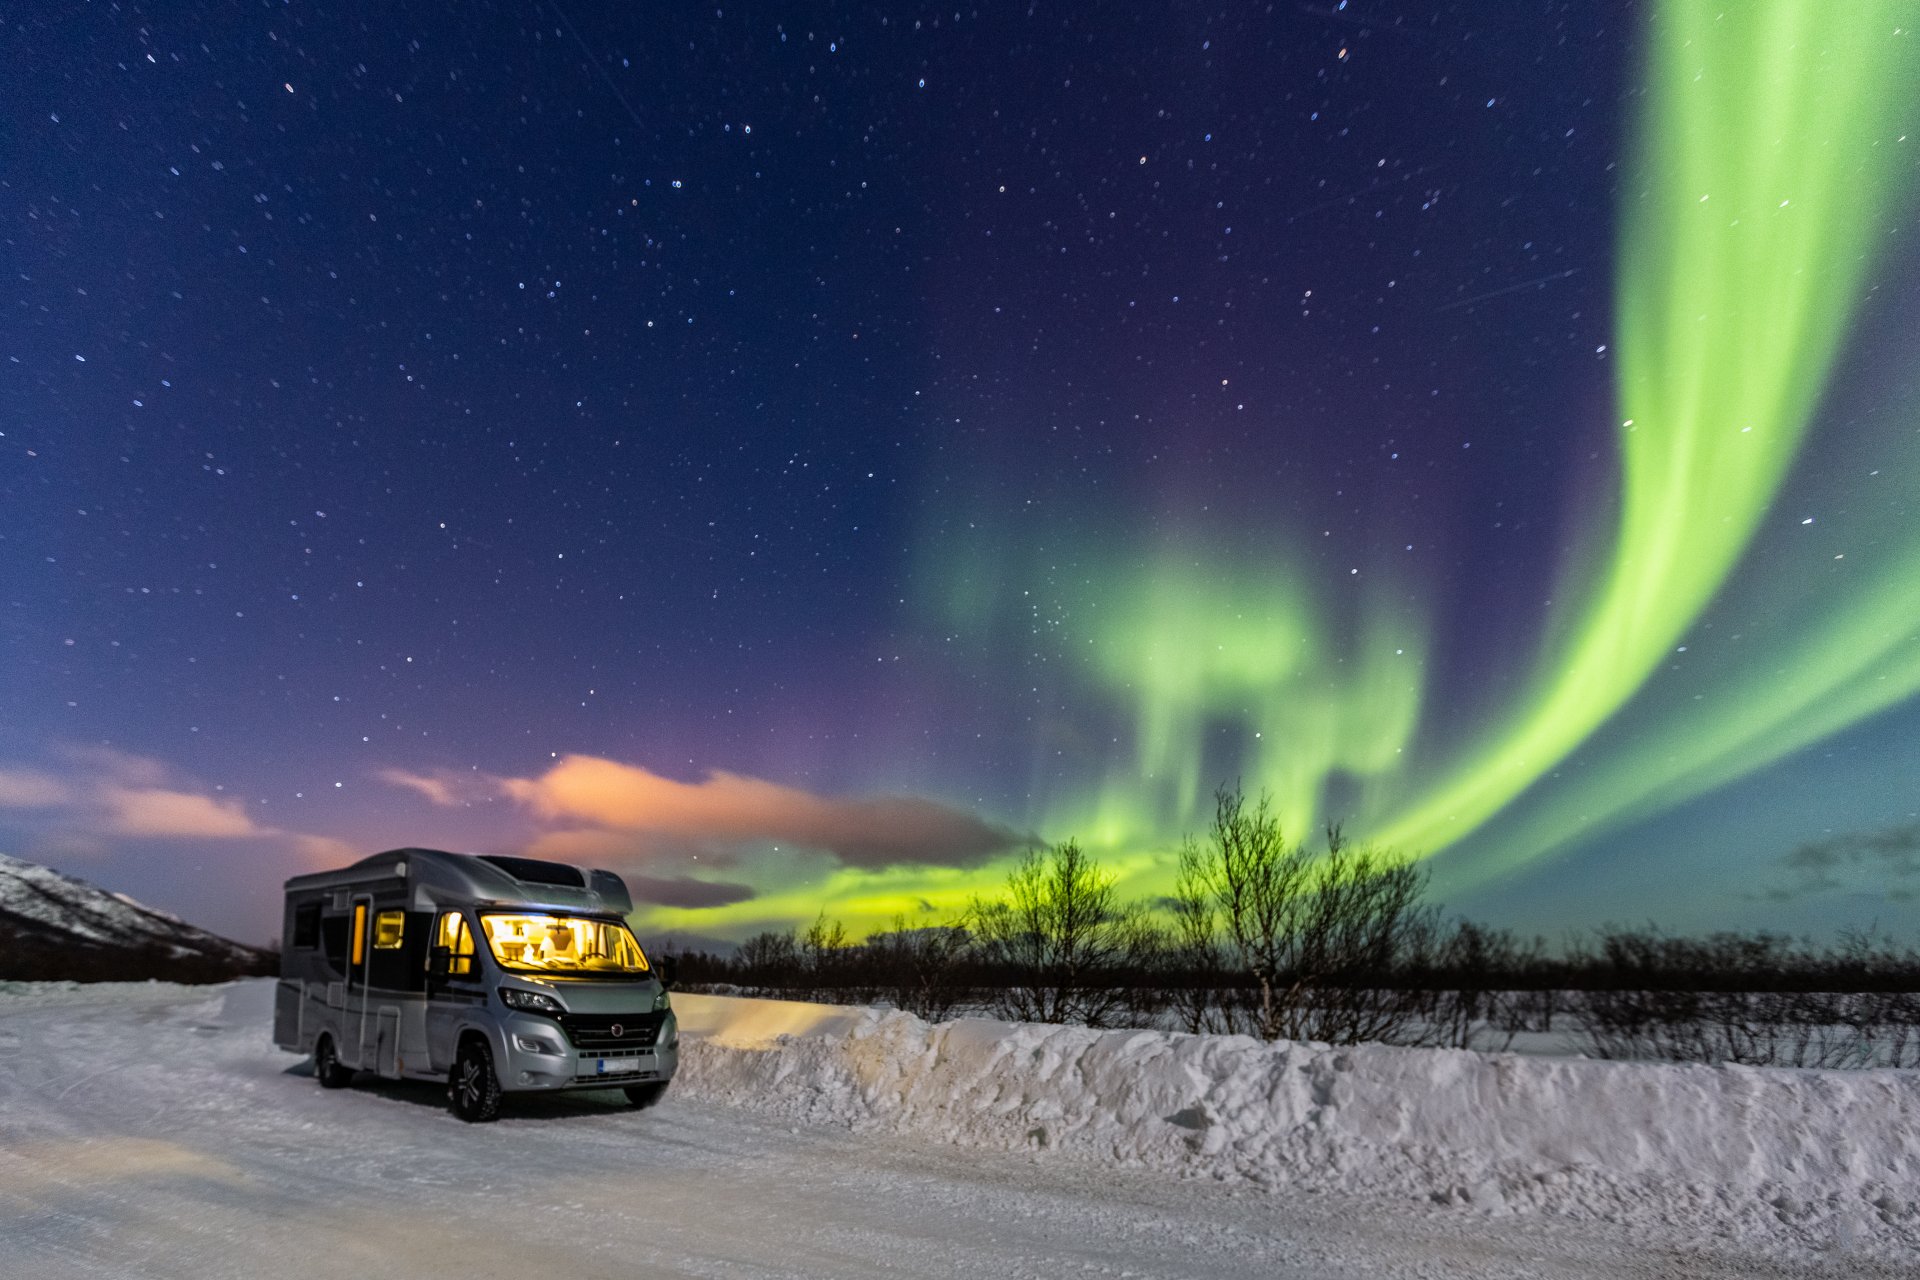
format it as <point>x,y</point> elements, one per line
<point>53,926</point>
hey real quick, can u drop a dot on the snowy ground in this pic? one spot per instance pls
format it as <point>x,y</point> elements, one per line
<point>154,1131</point>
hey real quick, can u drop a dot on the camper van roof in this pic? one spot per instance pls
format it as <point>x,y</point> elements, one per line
<point>469,877</point>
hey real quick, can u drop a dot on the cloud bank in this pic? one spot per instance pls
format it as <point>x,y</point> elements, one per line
<point>686,892</point>
<point>730,809</point>
<point>1887,860</point>
<point>156,811</point>
<point>100,792</point>
<point>31,789</point>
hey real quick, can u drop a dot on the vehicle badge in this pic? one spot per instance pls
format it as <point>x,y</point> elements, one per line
<point>617,1030</point>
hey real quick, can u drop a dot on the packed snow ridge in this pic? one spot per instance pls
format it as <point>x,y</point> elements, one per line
<point>1768,1156</point>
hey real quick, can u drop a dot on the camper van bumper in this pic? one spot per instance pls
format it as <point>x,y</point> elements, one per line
<point>535,1056</point>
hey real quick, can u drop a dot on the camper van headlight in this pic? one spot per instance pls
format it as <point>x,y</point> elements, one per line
<point>662,1001</point>
<point>531,1001</point>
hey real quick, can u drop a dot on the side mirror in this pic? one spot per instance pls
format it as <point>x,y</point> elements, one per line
<point>665,968</point>
<point>439,961</point>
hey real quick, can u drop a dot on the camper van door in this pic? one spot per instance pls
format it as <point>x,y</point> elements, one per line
<point>452,992</point>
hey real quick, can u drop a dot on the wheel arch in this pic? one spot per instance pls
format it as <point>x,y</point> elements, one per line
<point>488,1032</point>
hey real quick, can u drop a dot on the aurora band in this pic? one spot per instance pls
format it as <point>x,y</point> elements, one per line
<point>1767,155</point>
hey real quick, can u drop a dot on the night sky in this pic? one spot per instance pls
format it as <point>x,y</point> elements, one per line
<point>801,456</point>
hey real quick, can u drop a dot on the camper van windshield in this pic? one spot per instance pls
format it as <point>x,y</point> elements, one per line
<point>563,944</point>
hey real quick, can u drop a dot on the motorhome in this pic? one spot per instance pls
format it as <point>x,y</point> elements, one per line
<point>497,975</point>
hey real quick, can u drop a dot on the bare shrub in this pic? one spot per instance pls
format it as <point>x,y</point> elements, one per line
<point>1247,879</point>
<point>1757,999</point>
<point>1059,940</point>
<point>769,963</point>
<point>1264,937</point>
<point>827,962</point>
<point>1357,931</point>
<point>1535,1005</point>
<point>921,970</point>
<point>1462,992</point>
<point>1199,987</point>
<point>1322,939</point>
<point>694,969</point>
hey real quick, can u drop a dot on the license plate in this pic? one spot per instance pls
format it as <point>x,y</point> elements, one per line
<point>618,1066</point>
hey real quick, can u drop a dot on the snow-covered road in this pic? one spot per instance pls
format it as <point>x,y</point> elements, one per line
<point>155,1132</point>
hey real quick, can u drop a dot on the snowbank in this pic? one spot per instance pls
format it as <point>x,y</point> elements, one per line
<point>1815,1158</point>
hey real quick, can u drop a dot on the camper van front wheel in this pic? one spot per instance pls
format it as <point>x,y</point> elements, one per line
<point>472,1087</point>
<point>326,1066</point>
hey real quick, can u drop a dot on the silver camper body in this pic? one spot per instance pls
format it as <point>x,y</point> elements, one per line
<point>367,982</point>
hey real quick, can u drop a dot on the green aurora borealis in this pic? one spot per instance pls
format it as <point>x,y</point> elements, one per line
<point>1768,157</point>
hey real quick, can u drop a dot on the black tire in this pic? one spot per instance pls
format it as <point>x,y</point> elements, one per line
<point>642,1096</point>
<point>473,1090</point>
<point>327,1068</point>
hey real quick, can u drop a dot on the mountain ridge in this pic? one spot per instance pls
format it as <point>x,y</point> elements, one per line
<point>55,926</point>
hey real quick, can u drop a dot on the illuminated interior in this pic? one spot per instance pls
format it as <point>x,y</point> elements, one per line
<point>562,944</point>
<point>458,941</point>
<point>388,928</point>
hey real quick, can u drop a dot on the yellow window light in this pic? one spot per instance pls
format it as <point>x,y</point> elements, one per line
<point>388,927</point>
<point>562,944</point>
<point>458,941</point>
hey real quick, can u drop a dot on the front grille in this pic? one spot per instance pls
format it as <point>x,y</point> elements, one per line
<point>619,1081</point>
<point>596,1030</point>
<point>614,1079</point>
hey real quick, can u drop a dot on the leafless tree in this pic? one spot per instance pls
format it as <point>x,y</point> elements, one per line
<point>1200,990</point>
<point>1060,939</point>
<point>920,968</point>
<point>1247,878</point>
<point>1757,999</point>
<point>825,962</point>
<point>1337,945</point>
<point>769,963</point>
<point>1357,930</point>
<point>1474,997</point>
<point>1322,937</point>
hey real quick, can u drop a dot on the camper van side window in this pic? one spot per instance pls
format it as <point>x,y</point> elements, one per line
<point>306,926</point>
<point>388,927</point>
<point>458,940</point>
<point>333,942</point>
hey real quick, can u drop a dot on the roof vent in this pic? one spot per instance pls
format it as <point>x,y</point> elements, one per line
<point>534,871</point>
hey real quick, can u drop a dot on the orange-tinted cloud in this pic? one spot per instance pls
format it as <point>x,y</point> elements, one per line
<point>600,847</point>
<point>159,812</point>
<point>640,856</point>
<point>323,852</point>
<point>98,795</point>
<point>434,789</point>
<point>448,788</point>
<point>727,808</point>
<point>30,789</point>
<point>105,764</point>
